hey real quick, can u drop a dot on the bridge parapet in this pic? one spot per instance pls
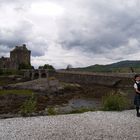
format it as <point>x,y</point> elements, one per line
<point>128,75</point>
<point>107,79</point>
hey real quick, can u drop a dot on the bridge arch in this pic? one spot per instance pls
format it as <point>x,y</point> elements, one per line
<point>43,75</point>
<point>36,75</point>
<point>30,75</point>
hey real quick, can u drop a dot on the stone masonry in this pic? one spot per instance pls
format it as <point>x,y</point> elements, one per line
<point>19,55</point>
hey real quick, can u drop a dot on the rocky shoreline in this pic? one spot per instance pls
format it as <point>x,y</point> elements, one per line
<point>51,95</point>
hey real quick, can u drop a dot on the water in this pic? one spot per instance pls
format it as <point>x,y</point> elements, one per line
<point>87,103</point>
<point>92,101</point>
<point>76,104</point>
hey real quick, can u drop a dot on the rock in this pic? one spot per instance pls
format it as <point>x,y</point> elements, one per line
<point>39,84</point>
<point>5,116</point>
<point>18,79</point>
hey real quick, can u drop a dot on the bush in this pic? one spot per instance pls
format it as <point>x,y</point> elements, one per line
<point>47,66</point>
<point>28,107</point>
<point>115,102</point>
<point>51,111</point>
<point>52,78</point>
<point>25,66</point>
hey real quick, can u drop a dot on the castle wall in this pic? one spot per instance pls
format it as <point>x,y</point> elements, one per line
<point>5,63</point>
<point>20,55</point>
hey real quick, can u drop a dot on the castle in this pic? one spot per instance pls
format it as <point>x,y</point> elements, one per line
<point>20,55</point>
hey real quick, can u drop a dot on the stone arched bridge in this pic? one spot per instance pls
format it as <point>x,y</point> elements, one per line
<point>107,79</point>
<point>35,74</point>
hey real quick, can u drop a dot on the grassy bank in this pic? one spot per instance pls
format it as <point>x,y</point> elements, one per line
<point>17,92</point>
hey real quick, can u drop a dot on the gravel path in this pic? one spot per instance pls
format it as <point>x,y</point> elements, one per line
<point>87,126</point>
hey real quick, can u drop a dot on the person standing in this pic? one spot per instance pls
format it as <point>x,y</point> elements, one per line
<point>137,95</point>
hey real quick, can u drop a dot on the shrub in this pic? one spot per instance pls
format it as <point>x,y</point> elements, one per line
<point>28,107</point>
<point>52,78</point>
<point>25,66</point>
<point>115,102</point>
<point>47,66</point>
<point>51,111</point>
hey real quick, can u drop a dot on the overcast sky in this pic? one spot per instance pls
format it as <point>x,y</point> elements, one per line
<point>76,32</point>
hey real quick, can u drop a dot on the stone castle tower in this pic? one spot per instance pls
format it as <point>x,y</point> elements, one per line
<point>18,56</point>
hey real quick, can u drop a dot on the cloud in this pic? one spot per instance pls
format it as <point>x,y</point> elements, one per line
<point>105,26</point>
<point>12,36</point>
<point>75,32</point>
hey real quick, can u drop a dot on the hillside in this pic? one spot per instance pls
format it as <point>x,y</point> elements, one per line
<point>122,66</point>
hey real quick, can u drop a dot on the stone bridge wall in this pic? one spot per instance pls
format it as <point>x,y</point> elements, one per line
<point>117,80</point>
<point>92,78</point>
<point>35,74</point>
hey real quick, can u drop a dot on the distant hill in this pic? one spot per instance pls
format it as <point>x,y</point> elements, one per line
<point>122,66</point>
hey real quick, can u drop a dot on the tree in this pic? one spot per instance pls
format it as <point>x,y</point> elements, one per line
<point>69,67</point>
<point>25,66</point>
<point>132,70</point>
<point>40,67</point>
<point>47,66</point>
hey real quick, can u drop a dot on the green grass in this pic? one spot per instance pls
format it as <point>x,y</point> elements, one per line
<point>81,110</point>
<point>52,111</point>
<point>52,78</point>
<point>19,92</point>
<point>28,107</point>
<point>5,81</point>
<point>2,83</point>
<point>8,72</point>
